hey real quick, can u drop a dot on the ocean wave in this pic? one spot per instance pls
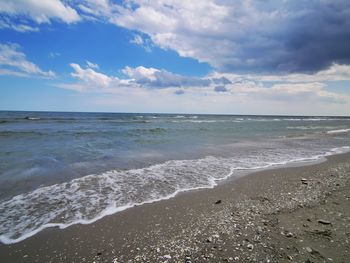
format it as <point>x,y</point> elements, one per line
<point>310,127</point>
<point>175,118</point>
<point>338,131</point>
<point>305,119</point>
<point>146,131</point>
<point>87,199</point>
<point>32,118</point>
<point>258,119</point>
<point>20,133</point>
<point>204,121</point>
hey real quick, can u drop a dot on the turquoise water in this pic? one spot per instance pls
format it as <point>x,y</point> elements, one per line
<point>58,169</point>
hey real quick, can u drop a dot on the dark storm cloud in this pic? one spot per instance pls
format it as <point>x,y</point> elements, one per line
<point>155,78</point>
<point>165,79</point>
<point>249,36</point>
<point>179,92</point>
<point>255,36</point>
<point>320,38</point>
<point>311,36</point>
<point>220,89</point>
<point>222,80</point>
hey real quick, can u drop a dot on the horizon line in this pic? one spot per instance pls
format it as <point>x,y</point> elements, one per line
<point>177,113</point>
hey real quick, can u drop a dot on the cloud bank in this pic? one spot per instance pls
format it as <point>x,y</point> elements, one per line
<point>142,89</point>
<point>265,36</point>
<point>242,88</point>
<point>232,36</point>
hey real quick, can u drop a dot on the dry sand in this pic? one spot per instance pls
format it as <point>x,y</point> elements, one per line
<point>295,214</point>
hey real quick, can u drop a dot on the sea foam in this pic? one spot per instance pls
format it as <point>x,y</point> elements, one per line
<point>87,199</point>
<point>338,131</point>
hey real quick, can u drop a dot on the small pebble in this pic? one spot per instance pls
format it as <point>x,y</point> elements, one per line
<point>250,246</point>
<point>289,234</point>
<point>308,249</point>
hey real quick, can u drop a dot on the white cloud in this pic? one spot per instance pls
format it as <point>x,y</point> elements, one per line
<point>208,101</point>
<point>92,65</point>
<point>177,25</point>
<point>242,95</point>
<point>245,35</point>
<point>138,40</point>
<point>96,9</point>
<point>89,80</point>
<point>250,36</point>
<point>205,30</point>
<point>5,23</point>
<point>156,78</point>
<point>14,62</point>
<point>140,73</point>
<point>40,11</point>
<point>54,54</point>
<point>335,72</point>
<point>12,73</point>
<point>90,77</point>
<point>145,43</point>
<point>291,92</point>
<point>140,77</point>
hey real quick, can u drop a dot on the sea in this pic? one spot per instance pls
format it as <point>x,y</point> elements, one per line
<point>60,168</point>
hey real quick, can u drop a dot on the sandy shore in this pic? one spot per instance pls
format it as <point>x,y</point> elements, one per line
<point>296,214</point>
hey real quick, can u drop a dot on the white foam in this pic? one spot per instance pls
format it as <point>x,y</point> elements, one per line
<point>90,198</point>
<point>258,119</point>
<point>298,119</point>
<point>206,121</point>
<point>338,131</point>
<point>309,127</point>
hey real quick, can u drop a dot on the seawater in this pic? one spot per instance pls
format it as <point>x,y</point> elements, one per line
<point>59,169</point>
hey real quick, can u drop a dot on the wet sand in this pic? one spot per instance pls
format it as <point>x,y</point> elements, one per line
<point>295,214</point>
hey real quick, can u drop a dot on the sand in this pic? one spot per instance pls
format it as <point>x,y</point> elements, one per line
<point>293,214</point>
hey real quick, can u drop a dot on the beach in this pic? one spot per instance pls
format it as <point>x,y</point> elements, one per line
<point>290,214</point>
<point>174,131</point>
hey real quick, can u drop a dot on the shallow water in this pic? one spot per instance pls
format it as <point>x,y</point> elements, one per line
<point>58,169</point>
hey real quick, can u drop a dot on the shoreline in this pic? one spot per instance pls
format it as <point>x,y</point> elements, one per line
<point>233,175</point>
<point>190,218</point>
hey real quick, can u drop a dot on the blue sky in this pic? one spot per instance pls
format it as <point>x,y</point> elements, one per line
<point>213,56</point>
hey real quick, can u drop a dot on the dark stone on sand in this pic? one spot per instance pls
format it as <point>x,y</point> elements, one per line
<point>99,253</point>
<point>218,202</point>
<point>303,181</point>
<point>324,222</point>
<point>326,233</point>
<point>289,234</point>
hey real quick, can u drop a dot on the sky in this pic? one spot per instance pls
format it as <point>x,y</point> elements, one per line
<point>279,57</point>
